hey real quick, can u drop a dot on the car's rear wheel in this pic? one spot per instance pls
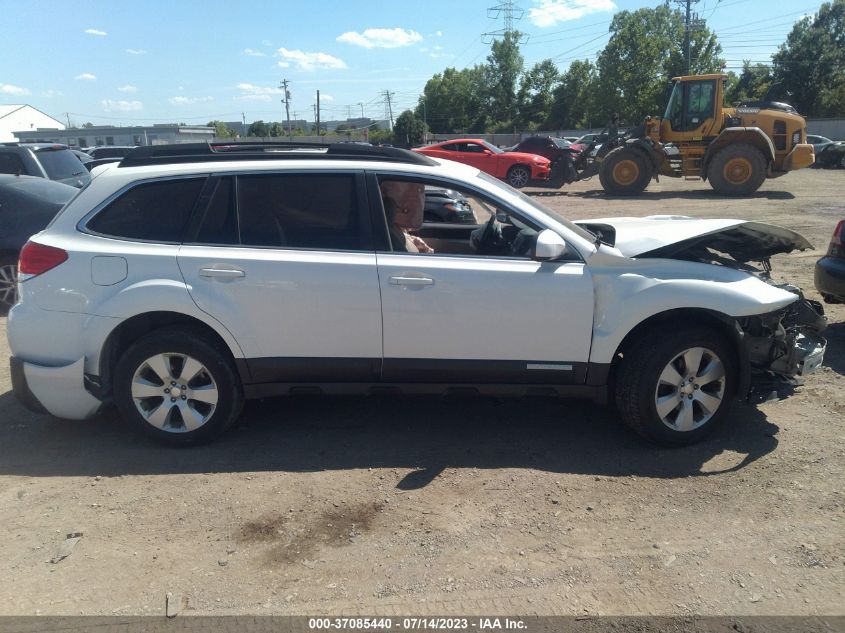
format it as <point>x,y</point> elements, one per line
<point>518,176</point>
<point>177,386</point>
<point>676,388</point>
<point>8,284</point>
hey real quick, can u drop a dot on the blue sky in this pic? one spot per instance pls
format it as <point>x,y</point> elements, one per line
<point>153,61</point>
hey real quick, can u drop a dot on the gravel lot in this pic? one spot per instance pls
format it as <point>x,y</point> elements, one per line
<point>428,505</point>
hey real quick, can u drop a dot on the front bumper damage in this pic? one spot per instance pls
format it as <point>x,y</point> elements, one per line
<point>784,346</point>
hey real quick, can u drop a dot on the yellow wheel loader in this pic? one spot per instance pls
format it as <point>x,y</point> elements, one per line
<point>735,149</point>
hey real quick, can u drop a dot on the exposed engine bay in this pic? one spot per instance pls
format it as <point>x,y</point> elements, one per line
<point>783,345</point>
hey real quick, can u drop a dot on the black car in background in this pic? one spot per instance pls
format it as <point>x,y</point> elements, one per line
<point>446,205</point>
<point>832,155</point>
<point>27,204</point>
<point>43,160</point>
<point>109,151</point>
<point>830,269</point>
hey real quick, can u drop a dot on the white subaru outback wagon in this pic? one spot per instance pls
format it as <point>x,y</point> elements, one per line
<point>187,278</point>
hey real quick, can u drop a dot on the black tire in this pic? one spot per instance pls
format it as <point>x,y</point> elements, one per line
<point>737,170</point>
<point>8,283</point>
<point>639,387</point>
<point>219,373</point>
<point>519,176</point>
<point>625,171</point>
<point>842,161</point>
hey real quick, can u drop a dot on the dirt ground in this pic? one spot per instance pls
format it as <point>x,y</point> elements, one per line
<point>427,505</point>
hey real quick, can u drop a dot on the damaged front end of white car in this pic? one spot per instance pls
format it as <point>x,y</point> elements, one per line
<point>780,346</point>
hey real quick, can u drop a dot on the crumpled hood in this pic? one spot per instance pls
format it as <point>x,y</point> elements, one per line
<point>672,235</point>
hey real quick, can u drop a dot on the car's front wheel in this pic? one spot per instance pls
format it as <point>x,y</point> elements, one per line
<point>518,176</point>
<point>676,388</point>
<point>178,386</point>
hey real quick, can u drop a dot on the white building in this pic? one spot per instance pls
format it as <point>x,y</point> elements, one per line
<point>17,117</point>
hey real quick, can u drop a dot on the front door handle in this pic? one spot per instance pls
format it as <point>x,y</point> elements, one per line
<point>412,281</point>
<point>222,273</point>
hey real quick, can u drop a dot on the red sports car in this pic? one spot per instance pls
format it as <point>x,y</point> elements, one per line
<point>516,168</point>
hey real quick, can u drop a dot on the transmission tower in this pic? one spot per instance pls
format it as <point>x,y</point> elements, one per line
<point>509,12</point>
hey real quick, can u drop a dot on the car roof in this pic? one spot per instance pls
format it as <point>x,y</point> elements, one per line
<point>36,146</point>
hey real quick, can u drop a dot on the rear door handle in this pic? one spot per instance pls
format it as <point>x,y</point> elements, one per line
<point>412,281</point>
<point>222,273</point>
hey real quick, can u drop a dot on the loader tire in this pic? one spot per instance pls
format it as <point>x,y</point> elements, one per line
<point>737,170</point>
<point>625,171</point>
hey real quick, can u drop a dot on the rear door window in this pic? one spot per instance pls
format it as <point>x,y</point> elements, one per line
<point>151,212</point>
<point>60,163</point>
<point>11,164</point>
<point>313,211</point>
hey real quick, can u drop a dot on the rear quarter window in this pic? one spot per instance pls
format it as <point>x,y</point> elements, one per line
<point>152,212</point>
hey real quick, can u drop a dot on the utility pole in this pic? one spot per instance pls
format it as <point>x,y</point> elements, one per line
<point>425,119</point>
<point>67,114</point>
<point>691,23</point>
<point>243,123</point>
<point>284,86</point>
<point>318,113</point>
<point>389,105</point>
<point>361,103</point>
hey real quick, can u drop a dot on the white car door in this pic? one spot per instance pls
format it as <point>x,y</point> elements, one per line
<point>292,275</point>
<point>473,319</point>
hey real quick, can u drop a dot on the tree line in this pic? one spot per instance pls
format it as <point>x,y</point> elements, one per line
<point>630,77</point>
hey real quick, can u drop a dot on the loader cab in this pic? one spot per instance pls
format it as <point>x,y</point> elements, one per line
<point>694,107</point>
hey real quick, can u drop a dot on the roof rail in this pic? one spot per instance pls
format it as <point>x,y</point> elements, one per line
<point>214,152</point>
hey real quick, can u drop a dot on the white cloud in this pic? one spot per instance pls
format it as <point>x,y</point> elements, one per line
<point>308,61</point>
<point>50,93</point>
<point>251,92</point>
<point>96,32</point>
<point>9,89</point>
<point>551,12</point>
<point>127,88</point>
<point>252,53</point>
<point>86,77</point>
<point>381,38</point>
<point>121,106</point>
<point>439,34</point>
<point>325,97</point>
<point>136,51</point>
<point>189,100</point>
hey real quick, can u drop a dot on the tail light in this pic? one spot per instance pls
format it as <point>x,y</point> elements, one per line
<point>39,258</point>
<point>837,242</point>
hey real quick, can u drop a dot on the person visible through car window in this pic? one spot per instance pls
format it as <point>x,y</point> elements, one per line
<point>404,203</point>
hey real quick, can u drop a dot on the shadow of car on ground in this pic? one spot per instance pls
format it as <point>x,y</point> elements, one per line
<point>426,434</point>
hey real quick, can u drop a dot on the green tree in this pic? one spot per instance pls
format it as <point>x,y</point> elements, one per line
<point>750,85</point>
<point>644,51</point>
<point>221,130</point>
<point>408,130</point>
<point>535,97</point>
<point>454,101</point>
<point>572,98</point>
<point>258,128</point>
<point>502,71</point>
<point>810,63</point>
<point>277,129</point>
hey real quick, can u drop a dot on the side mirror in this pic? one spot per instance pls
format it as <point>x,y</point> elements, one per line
<point>549,246</point>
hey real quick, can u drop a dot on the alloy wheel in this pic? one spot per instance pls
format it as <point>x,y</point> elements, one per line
<point>690,390</point>
<point>8,285</point>
<point>174,392</point>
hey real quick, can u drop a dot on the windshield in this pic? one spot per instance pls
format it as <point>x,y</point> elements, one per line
<point>562,143</point>
<point>544,210</point>
<point>492,148</point>
<point>60,163</point>
<point>673,108</point>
